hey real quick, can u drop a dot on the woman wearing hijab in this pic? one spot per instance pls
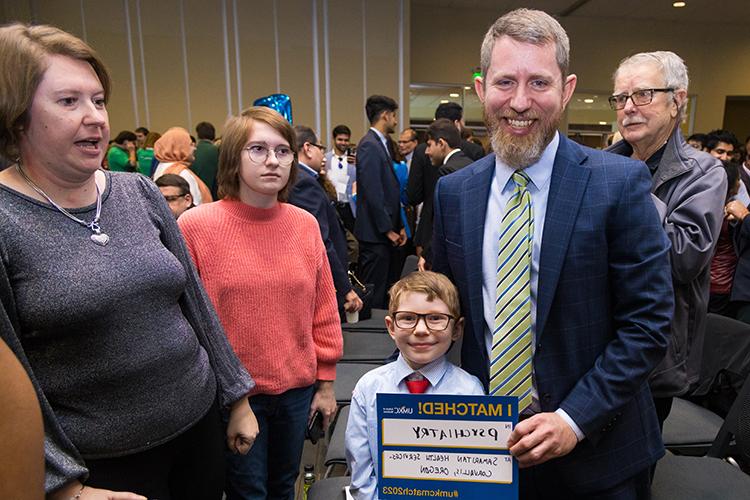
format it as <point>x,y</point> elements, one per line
<point>175,152</point>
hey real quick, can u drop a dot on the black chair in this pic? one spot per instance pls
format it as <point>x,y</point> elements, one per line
<point>410,265</point>
<point>336,453</point>
<point>690,429</point>
<point>726,350</point>
<point>366,347</point>
<point>347,376</point>
<point>711,477</point>
<point>703,478</point>
<point>328,489</point>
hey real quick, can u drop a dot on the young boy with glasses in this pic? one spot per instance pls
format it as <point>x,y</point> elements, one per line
<point>424,318</point>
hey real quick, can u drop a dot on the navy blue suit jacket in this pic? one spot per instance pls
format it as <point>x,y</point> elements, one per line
<point>309,195</point>
<point>378,192</point>
<point>603,304</point>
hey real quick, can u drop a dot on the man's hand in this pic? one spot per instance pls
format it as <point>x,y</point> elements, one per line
<point>353,302</point>
<point>735,210</point>
<point>242,428</point>
<point>324,401</point>
<point>421,264</point>
<point>394,237</point>
<point>402,237</point>
<point>540,438</point>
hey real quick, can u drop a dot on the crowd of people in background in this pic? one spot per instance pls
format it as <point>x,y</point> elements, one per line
<point>418,159</point>
<point>193,235</point>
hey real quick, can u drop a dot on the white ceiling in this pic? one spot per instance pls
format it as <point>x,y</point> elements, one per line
<point>723,12</point>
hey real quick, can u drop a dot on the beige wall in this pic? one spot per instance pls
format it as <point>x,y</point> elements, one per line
<point>446,42</point>
<point>177,62</point>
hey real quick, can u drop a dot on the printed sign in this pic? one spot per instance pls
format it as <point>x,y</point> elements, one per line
<point>446,446</point>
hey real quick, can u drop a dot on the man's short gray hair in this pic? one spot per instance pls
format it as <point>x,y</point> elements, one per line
<point>527,26</point>
<point>671,66</point>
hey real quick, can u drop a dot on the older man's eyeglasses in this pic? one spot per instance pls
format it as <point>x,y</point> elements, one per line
<point>407,320</point>
<point>258,153</point>
<point>639,98</point>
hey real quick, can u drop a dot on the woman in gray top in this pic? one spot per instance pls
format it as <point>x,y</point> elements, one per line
<point>108,316</point>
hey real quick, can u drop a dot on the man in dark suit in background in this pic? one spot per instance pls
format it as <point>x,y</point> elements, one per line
<point>444,147</point>
<point>378,226</point>
<point>443,141</point>
<point>563,271</point>
<point>455,113</point>
<point>309,195</point>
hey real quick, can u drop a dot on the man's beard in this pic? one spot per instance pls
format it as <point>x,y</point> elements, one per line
<point>521,151</point>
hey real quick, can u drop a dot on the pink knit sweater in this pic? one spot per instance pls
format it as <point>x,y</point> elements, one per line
<point>268,276</point>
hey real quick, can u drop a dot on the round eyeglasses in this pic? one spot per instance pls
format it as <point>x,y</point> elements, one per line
<point>407,320</point>
<point>639,97</point>
<point>258,153</point>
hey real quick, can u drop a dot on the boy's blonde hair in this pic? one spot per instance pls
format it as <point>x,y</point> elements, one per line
<point>434,285</point>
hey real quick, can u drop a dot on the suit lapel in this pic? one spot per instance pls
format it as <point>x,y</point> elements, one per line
<point>567,187</point>
<point>388,160</point>
<point>475,193</point>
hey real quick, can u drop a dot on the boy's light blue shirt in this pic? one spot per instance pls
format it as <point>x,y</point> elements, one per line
<point>362,427</point>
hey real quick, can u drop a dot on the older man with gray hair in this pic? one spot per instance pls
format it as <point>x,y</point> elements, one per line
<point>688,189</point>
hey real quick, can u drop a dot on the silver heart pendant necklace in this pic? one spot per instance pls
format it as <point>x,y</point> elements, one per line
<point>98,236</point>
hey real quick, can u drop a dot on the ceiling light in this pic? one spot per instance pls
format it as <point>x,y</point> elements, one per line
<point>678,4</point>
<point>588,101</point>
<point>602,123</point>
<point>466,87</point>
<point>444,101</point>
<point>453,94</point>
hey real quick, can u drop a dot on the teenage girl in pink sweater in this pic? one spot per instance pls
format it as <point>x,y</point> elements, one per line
<point>265,268</point>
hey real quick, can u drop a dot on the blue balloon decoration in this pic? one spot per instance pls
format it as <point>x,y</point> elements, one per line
<point>278,102</point>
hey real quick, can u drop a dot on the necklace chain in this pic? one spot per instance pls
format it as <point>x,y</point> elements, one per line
<point>93,225</point>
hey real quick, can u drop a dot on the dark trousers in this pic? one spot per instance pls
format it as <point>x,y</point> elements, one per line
<point>347,217</point>
<point>663,407</point>
<point>378,264</point>
<point>190,466</point>
<point>270,468</point>
<point>719,303</point>
<point>543,482</point>
<point>742,311</point>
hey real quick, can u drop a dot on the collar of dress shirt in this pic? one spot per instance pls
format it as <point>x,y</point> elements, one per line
<point>539,172</point>
<point>433,371</point>
<point>453,151</point>
<point>381,136</point>
<point>308,170</point>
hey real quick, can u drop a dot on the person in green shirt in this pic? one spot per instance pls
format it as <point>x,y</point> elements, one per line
<point>206,160</point>
<point>121,155</point>
<point>145,154</point>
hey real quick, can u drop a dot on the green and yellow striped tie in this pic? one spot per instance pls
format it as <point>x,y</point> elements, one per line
<point>510,360</point>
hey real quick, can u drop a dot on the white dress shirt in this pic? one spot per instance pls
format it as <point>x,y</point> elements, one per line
<point>337,172</point>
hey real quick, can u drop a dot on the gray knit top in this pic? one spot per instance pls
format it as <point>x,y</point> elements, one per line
<point>121,341</point>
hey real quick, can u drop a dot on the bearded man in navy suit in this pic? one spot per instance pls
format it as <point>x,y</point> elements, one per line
<point>597,284</point>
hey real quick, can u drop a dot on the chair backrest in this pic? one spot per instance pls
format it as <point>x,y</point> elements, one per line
<point>736,426</point>
<point>743,424</point>
<point>410,265</point>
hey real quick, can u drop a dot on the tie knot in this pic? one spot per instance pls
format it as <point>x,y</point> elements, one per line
<point>520,178</point>
<point>415,376</point>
